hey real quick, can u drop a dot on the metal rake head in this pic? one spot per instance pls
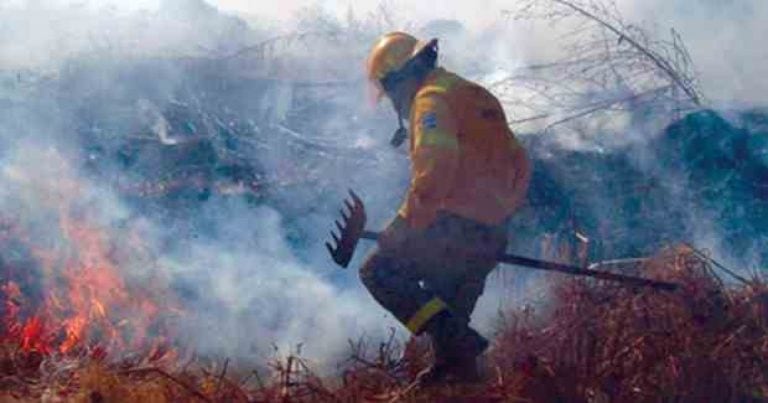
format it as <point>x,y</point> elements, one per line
<point>350,230</point>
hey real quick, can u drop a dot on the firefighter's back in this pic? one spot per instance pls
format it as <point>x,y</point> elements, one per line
<point>493,169</point>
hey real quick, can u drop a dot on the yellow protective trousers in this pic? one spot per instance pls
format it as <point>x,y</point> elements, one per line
<point>417,274</point>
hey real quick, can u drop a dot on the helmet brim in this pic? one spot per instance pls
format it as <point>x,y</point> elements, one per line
<point>374,88</point>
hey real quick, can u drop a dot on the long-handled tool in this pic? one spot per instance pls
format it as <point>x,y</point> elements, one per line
<point>352,229</point>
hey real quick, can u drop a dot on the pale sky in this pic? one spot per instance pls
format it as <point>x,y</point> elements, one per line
<point>473,14</point>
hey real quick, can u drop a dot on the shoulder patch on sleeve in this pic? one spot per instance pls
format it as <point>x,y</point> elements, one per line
<point>429,121</point>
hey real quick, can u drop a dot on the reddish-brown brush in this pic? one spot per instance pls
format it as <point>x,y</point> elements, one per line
<point>601,342</point>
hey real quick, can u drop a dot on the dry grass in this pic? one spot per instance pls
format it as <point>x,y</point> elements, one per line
<point>598,342</point>
<point>707,342</point>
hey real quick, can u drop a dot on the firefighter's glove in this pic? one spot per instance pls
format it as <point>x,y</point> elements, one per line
<point>395,235</point>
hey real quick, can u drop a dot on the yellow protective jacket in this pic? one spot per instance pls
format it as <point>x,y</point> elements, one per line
<point>464,158</point>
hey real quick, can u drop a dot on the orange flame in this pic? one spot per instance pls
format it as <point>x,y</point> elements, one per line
<point>87,301</point>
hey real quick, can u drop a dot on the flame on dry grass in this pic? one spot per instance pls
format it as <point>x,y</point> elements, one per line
<point>82,299</point>
<point>86,301</point>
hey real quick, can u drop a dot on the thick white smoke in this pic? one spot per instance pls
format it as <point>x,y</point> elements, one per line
<point>246,287</point>
<point>724,37</point>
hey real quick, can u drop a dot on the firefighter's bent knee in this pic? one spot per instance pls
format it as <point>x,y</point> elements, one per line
<point>372,270</point>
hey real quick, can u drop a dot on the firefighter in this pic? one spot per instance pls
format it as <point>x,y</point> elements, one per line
<point>468,176</point>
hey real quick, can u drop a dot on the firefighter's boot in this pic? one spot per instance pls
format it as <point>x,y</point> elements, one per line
<point>456,347</point>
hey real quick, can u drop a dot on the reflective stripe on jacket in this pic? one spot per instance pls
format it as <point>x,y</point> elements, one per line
<point>464,157</point>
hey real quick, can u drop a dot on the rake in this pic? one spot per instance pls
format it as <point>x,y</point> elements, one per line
<point>352,229</point>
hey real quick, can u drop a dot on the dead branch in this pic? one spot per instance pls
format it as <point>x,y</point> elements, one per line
<point>657,59</point>
<point>603,58</point>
